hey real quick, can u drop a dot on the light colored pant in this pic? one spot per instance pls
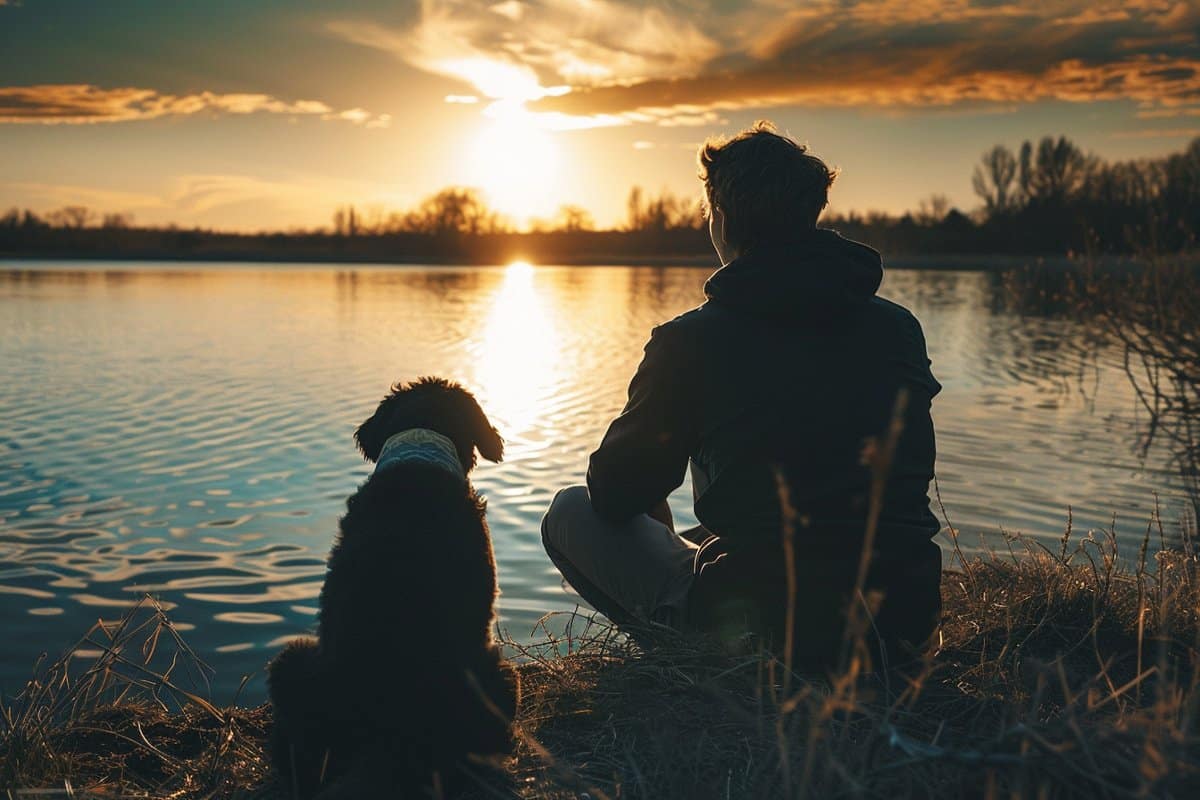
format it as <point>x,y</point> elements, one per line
<point>636,571</point>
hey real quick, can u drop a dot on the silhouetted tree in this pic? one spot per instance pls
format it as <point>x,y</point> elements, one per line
<point>574,218</point>
<point>633,207</point>
<point>665,212</point>
<point>1180,198</point>
<point>345,221</point>
<point>457,210</point>
<point>1057,171</point>
<point>993,179</point>
<point>70,217</point>
<point>117,221</point>
<point>933,209</point>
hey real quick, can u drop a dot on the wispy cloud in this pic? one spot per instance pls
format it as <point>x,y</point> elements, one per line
<point>1159,133</point>
<point>197,194</point>
<point>610,61</point>
<point>222,197</point>
<point>517,52</point>
<point>504,49</point>
<point>56,194</point>
<point>83,103</point>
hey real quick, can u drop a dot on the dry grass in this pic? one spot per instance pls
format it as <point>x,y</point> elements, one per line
<point>1065,672</point>
<point>1059,674</point>
<point>123,714</point>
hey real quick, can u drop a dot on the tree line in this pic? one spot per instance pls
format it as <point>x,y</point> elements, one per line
<point>1048,197</point>
<point>464,211</point>
<point>1065,198</point>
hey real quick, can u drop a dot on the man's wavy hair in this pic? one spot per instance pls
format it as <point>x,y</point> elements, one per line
<point>769,187</point>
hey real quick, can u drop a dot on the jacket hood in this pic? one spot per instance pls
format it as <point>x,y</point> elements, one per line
<point>817,276</point>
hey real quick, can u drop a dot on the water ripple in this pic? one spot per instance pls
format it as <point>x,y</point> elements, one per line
<point>189,433</point>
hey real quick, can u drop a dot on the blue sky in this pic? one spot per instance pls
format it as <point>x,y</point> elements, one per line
<point>270,114</point>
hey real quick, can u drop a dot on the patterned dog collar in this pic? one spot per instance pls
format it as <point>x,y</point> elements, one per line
<point>420,445</point>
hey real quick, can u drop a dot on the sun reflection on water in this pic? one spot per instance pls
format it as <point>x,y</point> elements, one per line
<point>518,351</point>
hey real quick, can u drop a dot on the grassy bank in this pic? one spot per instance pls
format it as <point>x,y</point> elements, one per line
<point>1064,672</point>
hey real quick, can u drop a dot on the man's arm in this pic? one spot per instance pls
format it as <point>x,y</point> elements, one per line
<point>644,454</point>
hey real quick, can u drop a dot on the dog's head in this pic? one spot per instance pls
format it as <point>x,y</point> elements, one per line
<point>439,405</point>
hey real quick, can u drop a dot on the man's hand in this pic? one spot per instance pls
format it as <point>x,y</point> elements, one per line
<point>662,512</point>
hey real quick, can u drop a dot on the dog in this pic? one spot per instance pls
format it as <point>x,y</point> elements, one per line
<point>403,681</point>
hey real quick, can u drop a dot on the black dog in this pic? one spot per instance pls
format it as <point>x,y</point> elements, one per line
<point>403,681</point>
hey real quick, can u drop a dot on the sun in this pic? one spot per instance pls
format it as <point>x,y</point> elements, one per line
<point>516,163</point>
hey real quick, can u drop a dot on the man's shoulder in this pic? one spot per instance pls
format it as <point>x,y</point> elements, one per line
<point>892,313</point>
<point>682,326</point>
<point>694,320</point>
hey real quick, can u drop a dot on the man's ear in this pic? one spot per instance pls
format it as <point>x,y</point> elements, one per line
<point>487,439</point>
<point>719,229</point>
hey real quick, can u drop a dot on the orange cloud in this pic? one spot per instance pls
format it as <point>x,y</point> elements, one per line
<point>670,63</point>
<point>523,50</point>
<point>933,80</point>
<point>937,53</point>
<point>51,104</point>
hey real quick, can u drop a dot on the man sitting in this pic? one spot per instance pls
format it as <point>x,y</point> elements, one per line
<point>772,389</point>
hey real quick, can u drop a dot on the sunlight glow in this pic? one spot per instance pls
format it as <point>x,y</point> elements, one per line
<point>516,163</point>
<point>496,79</point>
<point>517,351</point>
<point>521,270</point>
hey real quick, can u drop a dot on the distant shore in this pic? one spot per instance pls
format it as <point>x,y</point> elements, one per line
<point>968,262</point>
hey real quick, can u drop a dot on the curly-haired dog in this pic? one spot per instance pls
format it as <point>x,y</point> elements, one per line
<point>403,680</point>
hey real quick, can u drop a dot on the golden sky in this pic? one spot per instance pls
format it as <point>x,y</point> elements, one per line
<point>272,113</point>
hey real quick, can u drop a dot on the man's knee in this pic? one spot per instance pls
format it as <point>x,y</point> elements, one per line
<point>566,506</point>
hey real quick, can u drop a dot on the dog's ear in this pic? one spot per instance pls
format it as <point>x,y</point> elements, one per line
<point>373,432</point>
<point>487,439</point>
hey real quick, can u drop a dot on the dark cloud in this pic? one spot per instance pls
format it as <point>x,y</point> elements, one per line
<point>928,52</point>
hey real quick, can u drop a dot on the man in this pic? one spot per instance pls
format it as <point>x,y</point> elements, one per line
<point>773,389</point>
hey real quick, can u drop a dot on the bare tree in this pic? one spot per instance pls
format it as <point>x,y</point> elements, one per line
<point>993,179</point>
<point>636,215</point>
<point>70,217</point>
<point>454,210</point>
<point>117,221</point>
<point>574,218</point>
<point>1055,173</point>
<point>933,209</point>
<point>667,211</point>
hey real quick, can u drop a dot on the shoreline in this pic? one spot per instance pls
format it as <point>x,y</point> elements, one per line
<point>940,262</point>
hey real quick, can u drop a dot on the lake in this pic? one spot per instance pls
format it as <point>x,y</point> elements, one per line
<point>185,430</point>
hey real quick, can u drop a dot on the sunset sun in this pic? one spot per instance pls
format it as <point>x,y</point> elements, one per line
<point>516,163</point>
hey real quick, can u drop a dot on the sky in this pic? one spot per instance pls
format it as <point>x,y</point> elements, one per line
<point>272,113</point>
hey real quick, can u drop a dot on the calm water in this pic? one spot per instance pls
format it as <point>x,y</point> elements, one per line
<point>186,431</point>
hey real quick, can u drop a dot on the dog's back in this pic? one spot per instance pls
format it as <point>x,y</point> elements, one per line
<point>412,570</point>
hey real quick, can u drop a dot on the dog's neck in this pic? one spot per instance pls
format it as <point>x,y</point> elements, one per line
<point>420,446</point>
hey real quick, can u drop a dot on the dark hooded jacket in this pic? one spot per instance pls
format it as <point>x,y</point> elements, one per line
<point>787,370</point>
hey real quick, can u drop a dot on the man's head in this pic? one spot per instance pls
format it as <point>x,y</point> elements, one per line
<point>760,187</point>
